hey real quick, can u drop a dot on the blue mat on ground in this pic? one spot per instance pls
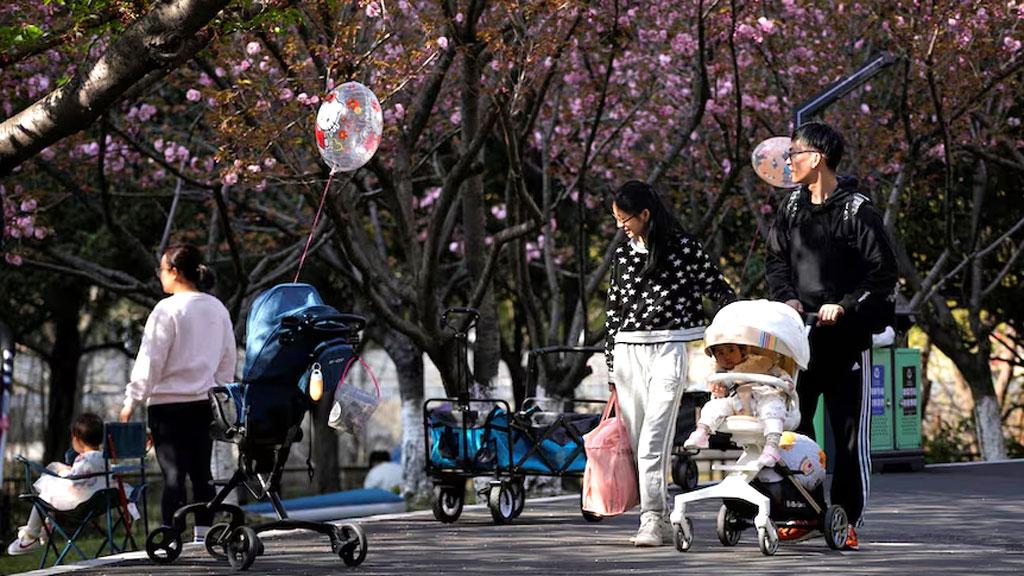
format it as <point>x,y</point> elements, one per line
<point>345,504</point>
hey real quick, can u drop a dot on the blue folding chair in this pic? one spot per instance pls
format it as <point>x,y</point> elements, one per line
<point>68,525</point>
<point>106,511</point>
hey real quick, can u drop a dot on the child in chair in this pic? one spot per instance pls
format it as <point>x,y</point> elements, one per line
<point>771,405</point>
<point>61,492</point>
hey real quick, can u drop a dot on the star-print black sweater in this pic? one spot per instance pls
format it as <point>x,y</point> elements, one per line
<point>668,297</point>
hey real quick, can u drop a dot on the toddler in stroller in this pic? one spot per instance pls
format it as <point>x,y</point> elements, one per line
<point>774,403</point>
<point>291,336</point>
<point>782,486</point>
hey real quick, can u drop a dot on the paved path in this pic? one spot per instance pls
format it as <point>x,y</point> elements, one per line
<point>943,520</point>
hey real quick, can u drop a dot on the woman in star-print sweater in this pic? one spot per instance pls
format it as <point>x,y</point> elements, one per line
<point>655,307</point>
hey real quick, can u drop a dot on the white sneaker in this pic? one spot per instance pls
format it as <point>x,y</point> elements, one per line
<point>199,534</point>
<point>24,544</point>
<point>654,531</point>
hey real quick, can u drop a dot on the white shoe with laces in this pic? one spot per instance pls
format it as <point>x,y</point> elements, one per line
<point>654,530</point>
<point>24,543</point>
<point>199,534</point>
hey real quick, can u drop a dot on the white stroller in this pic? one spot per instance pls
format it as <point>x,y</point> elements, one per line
<point>792,493</point>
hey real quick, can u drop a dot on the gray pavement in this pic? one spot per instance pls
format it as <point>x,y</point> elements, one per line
<point>943,520</point>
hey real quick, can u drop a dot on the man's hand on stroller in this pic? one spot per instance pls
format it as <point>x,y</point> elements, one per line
<point>830,314</point>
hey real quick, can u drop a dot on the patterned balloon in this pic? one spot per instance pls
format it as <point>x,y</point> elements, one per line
<point>769,162</point>
<point>348,127</point>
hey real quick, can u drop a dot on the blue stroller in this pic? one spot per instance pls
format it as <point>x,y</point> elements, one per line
<point>290,331</point>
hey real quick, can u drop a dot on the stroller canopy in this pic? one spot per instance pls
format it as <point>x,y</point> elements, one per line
<point>770,325</point>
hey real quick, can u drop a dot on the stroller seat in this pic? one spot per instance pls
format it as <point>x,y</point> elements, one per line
<point>754,497</point>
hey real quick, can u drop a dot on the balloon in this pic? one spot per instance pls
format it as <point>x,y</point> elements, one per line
<point>769,162</point>
<point>349,124</point>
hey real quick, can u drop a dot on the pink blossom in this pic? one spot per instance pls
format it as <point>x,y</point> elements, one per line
<point>40,233</point>
<point>158,144</point>
<point>285,94</point>
<point>13,259</point>
<point>253,168</point>
<point>193,95</point>
<point>252,48</point>
<point>766,208</point>
<point>269,163</point>
<point>865,109</point>
<point>459,17</point>
<point>399,111</point>
<point>230,179</point>
<point>499,212</point>
<point>28,205</point>
<point>664,59</point>
<point>766,25</point>
<point>442,42</point>
<point>372,10</point>
<point>1011,44</point>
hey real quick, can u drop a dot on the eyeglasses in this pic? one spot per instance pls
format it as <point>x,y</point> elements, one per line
<point>623,222</point>
<point>788,154</point>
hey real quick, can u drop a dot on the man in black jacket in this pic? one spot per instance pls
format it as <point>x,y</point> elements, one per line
<point>828,253</point>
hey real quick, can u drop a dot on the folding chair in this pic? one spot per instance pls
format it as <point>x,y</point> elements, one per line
<point>96,512</point>
<point>125,442</point>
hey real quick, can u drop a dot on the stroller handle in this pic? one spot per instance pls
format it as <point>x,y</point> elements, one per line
<point>215,394</point>
<point>340,323</point>
<point>745,378</point>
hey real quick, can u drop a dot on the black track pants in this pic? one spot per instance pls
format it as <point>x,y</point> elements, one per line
<point>840,376</point>
<point>181,437</point>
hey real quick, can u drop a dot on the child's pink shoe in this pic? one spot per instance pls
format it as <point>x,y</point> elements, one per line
<point>769,457</point>
<point>697,440</point>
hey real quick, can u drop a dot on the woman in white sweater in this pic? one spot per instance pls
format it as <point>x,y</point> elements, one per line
<point>187,348</point>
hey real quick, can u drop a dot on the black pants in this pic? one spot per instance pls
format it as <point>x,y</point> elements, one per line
<point>181,436</point>
<point>839,374</point>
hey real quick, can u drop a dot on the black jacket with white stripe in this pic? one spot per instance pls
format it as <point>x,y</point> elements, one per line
<point>668,298</point>
<point>837,252</point>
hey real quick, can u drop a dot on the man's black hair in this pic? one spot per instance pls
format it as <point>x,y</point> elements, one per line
<point>88,428</point>
<point>378,456</point>
<point>824,139</point>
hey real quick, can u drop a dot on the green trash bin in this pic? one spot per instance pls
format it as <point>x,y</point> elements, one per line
<point>895,407</point>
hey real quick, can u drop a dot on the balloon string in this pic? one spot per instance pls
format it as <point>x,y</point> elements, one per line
<point>312,230</point>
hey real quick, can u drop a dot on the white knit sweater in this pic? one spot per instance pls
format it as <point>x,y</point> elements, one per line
<point>187,348</point>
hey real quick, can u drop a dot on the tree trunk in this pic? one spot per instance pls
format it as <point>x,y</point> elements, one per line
<point>487,347</point>
<point>408,361</point>
<point>990,428</point>
<point>63,360</point>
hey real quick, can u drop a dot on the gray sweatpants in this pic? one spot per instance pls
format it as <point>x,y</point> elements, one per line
<point>649,379</point>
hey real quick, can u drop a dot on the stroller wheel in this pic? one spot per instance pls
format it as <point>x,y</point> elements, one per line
<point>683,535</point>
<point>502,502</point>
<point>448,502</point>
<point>352,544</point>
<point>163,545</point>
<point>242,546</point>
<point>768,539</point>
<point>728,532</point>
<point>685,473</point>
<point>518,495</point>
<point>216,540</point>
<point>835,526</point>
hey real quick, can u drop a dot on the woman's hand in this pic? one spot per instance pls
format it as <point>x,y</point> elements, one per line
<point>126,414</point>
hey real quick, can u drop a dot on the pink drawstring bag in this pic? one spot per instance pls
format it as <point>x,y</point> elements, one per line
<point>610,485</point>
